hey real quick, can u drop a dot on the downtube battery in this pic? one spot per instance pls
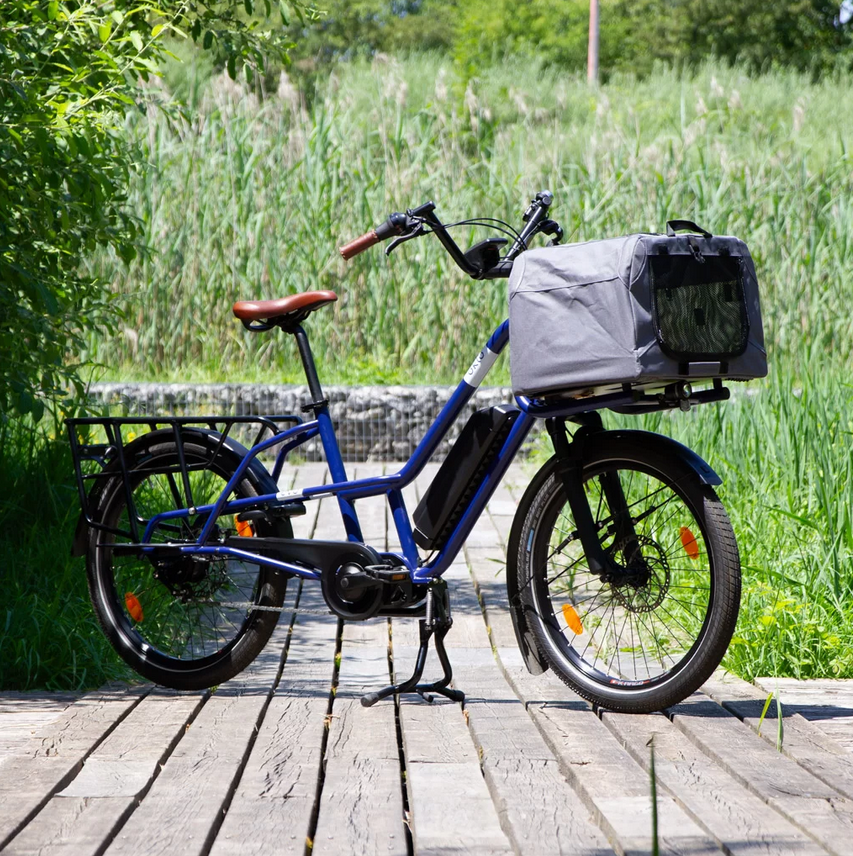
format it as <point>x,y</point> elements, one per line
<point>461,474</point>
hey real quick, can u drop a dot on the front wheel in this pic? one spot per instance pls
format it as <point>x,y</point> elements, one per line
<point>652,633</point>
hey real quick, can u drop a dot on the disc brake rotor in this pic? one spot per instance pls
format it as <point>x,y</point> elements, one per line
<point>647,575</point>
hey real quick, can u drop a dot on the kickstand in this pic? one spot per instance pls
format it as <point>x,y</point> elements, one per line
<point>435,626</point>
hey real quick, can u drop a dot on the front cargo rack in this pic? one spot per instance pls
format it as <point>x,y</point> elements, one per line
<point>110,459</point>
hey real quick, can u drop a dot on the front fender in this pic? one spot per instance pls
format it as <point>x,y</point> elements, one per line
<point>666,446</point>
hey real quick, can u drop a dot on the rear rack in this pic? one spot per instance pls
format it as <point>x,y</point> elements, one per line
<point>104,454</point>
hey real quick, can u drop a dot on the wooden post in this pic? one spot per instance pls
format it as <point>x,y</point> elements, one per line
<point>592,56</point>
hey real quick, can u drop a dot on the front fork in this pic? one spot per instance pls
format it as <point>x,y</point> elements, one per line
<point>570,456</point>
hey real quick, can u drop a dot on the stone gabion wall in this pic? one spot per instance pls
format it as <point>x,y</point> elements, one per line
<point>373,423</point>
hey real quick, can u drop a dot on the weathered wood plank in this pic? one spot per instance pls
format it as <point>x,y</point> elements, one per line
<point>25,715</point>
<point>450,805</point>
<point>361,809</point>
<point>539,811</point>
<point>305,475</point>
<point>612,785</point>
<point>827,703</point>
<point>488,568</point>
<point>88,812</point>
<point>272,806</point>
<point>126,761</point>
<point>73,826</point>
<point>370,509</point>
<point>738,819</point>
<point>803,741</point>
<point>28,781</point>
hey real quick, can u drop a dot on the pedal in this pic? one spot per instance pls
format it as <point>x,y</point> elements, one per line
<point>387,574</point>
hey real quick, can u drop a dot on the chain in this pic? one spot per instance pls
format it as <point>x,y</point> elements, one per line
<point>256,608</point>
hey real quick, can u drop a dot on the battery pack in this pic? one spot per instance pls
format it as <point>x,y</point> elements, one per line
<point>461,474</point>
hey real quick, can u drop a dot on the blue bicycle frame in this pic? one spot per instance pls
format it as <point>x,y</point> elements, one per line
<point>391,486</point>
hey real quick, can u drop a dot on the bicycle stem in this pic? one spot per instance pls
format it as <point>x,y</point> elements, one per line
<point>535,214</point>
<point>453,250</point>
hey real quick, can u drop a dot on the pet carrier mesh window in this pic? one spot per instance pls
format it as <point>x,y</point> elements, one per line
<point>699,307</point>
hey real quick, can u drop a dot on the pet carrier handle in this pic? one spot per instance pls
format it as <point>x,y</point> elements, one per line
<point>673,226</point>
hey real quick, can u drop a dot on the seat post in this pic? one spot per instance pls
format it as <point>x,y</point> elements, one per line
<point>320,406</point>
<point>309,366</point>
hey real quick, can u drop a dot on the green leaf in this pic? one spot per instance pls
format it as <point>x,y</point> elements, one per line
<point>285,12</point>
<point>37,409</point>
<point>247,5</point>
<point>104,31</point>
<point>52,10</point>
<point>136,39</point>
<point>232,67</point>
<point>117,16</point>
<point>156,31</point>
<point>208,40</point>
<point>764,712</point>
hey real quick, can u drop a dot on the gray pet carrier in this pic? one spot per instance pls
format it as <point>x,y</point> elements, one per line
<point>645,310</point>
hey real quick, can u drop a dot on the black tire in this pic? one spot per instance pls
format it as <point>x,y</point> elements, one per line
<point>646,645</point>
<point>185,635</point>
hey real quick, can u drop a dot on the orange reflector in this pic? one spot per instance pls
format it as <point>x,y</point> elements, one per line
<point>244,528</point>
<point>134,607</point>
<point>572,619</point>
<point>688,541</point>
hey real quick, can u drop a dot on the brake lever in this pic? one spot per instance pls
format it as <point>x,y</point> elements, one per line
<point>416,232</point>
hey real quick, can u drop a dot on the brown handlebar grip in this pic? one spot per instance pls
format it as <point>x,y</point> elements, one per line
<point>359,245</point>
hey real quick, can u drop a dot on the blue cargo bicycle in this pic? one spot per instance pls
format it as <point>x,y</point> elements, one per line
<point>622,569</point>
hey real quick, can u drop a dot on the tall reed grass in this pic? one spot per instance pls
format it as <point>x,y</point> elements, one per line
<point>250,197</point>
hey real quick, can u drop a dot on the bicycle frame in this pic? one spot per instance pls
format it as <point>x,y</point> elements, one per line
<point>391,486</point>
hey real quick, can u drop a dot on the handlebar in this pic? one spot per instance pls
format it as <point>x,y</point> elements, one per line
<point>405,227</point>
<point>396,224</point>
<point>359,245</point>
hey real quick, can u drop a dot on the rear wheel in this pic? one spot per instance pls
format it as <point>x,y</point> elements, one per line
<point>182,621</point>
<point>653,632</point>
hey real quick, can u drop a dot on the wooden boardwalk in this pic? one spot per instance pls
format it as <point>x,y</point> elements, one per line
<point>283,759</point>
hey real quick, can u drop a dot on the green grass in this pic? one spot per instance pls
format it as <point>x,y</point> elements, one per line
<point>49,637</point>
